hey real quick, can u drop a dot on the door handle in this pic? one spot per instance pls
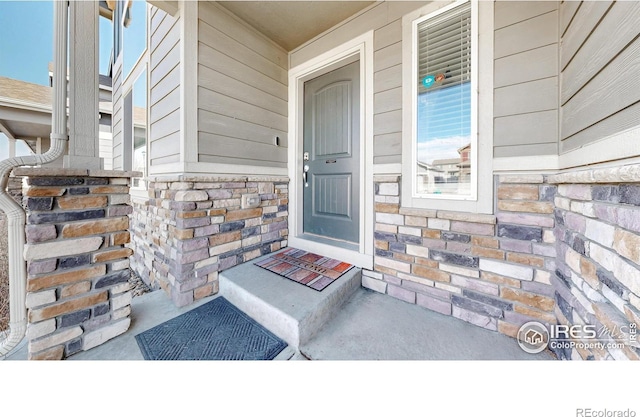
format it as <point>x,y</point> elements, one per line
<point>304,175</point>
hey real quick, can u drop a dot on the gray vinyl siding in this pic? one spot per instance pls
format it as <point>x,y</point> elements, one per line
<point>600,64</point>
<point>385,19</point>
<point>526,78</point>
<point>106,144</point>
<point>242,93</point>
<point>116,118</point>
<point>164,82</point>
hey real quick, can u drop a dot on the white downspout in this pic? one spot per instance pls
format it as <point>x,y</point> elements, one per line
<point>15,213</point>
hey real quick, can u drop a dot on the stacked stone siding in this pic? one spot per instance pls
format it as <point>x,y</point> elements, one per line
<point>77,263</point>
<point>597,280</point>
<point>561,249</point>
<point>489,270</point>
<point>192,227</point>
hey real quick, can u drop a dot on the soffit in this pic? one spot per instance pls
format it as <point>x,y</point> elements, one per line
<point>292,23</point>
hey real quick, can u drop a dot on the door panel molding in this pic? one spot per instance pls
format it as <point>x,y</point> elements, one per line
<point>328,184</point>
<point>321,99</point>
<point>332,140</point>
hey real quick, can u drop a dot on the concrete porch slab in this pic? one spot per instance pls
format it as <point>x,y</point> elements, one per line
<point>148,310</point>
<point>374,326</point>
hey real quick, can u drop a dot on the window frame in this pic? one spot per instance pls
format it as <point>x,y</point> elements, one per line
<point>118,25</point>
<point>142,58</point>
<point>141,66</point>
<point>480,198</point>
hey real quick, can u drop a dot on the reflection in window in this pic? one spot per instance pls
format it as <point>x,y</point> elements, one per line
<point>443,97</point>
<point>106,44</point>
<point>118,9</point>
<point>139,162</point>
<point>135,34</point>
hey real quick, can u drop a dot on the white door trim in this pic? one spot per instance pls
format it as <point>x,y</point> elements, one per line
<point>360,47</point>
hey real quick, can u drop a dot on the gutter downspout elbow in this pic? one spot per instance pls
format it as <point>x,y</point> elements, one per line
<point>16,241</point>
<point>15,213</point>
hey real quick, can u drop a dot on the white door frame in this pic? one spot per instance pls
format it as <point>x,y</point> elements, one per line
<point>360,47</point>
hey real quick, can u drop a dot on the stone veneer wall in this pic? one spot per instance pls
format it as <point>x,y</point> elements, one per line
<point>490,270</point>
<point>78,268</point>
<point>560,249</point>
<point>192,227</point>
<point>598,257</point>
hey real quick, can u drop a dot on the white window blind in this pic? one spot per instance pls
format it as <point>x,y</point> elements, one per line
<point>444,68</point>
<point>444,48</point>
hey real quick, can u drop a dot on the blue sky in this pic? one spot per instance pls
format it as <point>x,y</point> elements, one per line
<point>24,54</point>
<point>26,45</point>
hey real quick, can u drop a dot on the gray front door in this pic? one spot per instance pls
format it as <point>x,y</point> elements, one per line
<point>331,158</point>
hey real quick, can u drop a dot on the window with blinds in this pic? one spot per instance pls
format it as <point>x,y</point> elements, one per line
<point>443,110</point>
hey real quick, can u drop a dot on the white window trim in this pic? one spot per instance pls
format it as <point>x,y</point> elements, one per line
<point>128,81</point>
<point>481,199</point>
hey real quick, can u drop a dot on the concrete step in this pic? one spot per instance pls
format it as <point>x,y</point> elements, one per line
<point>292,311</point>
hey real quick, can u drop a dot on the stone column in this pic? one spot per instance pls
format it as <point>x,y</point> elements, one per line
<point>597,279</point>
<point>78,265</point>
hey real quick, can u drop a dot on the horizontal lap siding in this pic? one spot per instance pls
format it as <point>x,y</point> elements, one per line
<point>242,93</point>
<point>164,79</point>
<point>600,63</point>
<point>387,99</point>
<point>525,78</point>
<point>106,146</point>
<point>385,20</point>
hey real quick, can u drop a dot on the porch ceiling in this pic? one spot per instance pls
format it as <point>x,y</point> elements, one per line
<point>28,130</point>
<point>292,23</point>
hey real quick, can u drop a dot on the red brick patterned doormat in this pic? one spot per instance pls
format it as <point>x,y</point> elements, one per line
<point>306,268</point>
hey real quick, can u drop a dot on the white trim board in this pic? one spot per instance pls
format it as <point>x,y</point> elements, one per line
<point>620,145</point>
<point>361,47</point>
<point>188,82</point>
<point>215,169</point>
